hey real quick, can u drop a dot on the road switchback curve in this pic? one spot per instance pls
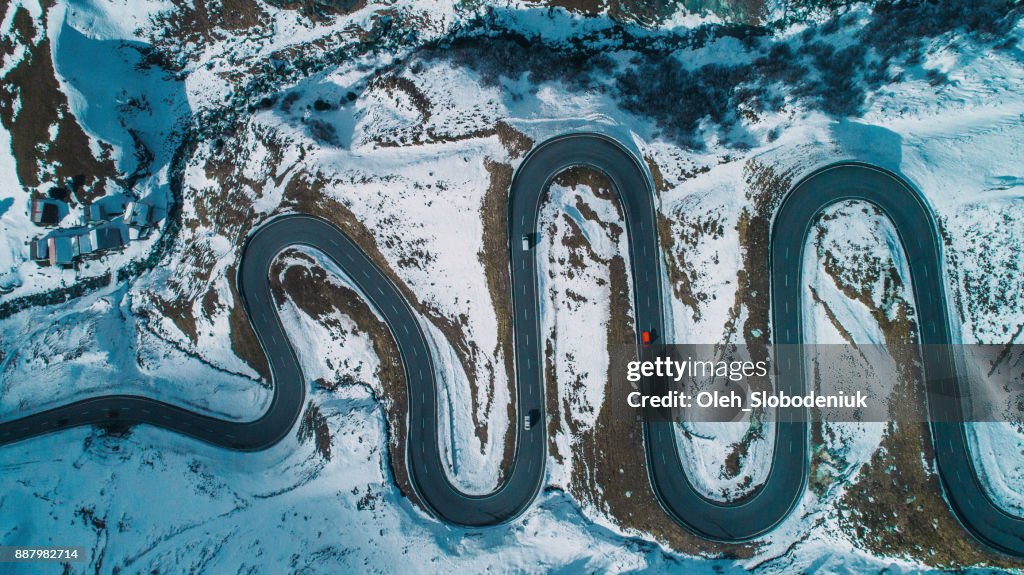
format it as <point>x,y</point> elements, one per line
<point>736,521</point>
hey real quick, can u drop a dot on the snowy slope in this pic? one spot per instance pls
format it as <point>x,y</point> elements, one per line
<point>357,117</point>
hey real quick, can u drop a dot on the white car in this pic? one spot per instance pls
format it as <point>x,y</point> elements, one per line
<point>526,242</point>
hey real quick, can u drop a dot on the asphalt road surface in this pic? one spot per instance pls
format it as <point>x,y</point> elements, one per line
<point>742,520</point>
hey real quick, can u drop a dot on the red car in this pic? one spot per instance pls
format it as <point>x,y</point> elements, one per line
<point>646,338</point>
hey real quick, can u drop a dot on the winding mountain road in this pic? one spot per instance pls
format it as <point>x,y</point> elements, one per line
<point>746,519</point>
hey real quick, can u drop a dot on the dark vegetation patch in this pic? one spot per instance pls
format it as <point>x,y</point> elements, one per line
<point>11,306</point>
<point>320,10</point>
<point>658,82</point>
<point>647,14</point>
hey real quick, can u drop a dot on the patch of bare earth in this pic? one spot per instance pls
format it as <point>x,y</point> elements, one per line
<point>310,288</point>
<point>201,23</point>
<point>313,427</point>
<point>48,144</point>
<point>494,257</point>
<point>321,10</point>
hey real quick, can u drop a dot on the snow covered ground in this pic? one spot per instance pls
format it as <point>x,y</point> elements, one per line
<point>404,149</point>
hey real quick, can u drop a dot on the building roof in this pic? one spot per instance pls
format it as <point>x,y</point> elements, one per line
<point>109,237</point>
<point>137,214</point>
<point>61,250</point>
<point>84,244</point>
<point>106,208</point>
<point>95,213</point>
<point>38,249</point>
<point>47,211</point>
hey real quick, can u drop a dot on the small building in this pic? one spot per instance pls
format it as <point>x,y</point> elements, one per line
<point>83,244</point>
<point>38,250</point>
<point>108,237</point>
<point>104,209</point>
<point>61,250</point>
<point>138,214</point>
<point>141,217</point>
<point>48,211</point>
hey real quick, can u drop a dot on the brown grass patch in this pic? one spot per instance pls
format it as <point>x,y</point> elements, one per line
<point>226,208</point>
<point>180,313</point>
<point>516,142</point>
<point>321,10</point>
<point>650,14</point>
<point>614,475</point>
<point>681,273</point>
<point>495,259</point>
<point>313,426</point>
<point>765,190</point>
<point>243,339</point>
